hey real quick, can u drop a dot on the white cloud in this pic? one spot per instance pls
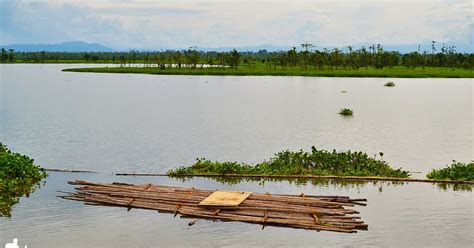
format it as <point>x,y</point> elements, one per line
<point>156,24</point>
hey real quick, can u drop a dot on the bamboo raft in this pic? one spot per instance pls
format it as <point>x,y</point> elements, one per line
<point>320,213</point>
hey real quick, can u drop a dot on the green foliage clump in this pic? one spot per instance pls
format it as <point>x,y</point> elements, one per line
<point>456,171</point>
<point>205,166</point>
<point>346,112</point>
<point>316,163</point>
<point>18,176</point>
<point>389,84</point>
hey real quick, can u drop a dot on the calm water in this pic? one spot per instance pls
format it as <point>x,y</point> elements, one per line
<point>149,123</point>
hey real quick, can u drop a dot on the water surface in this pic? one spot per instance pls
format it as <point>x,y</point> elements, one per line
<point>152,123</point>
<point>404,215</point>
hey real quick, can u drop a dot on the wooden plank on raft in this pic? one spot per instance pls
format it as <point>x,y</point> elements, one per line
<point>223,198</point>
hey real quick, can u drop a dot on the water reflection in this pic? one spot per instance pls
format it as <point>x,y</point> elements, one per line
<point>336,184</point>
<point>10,197</point>
<point>455,187</point>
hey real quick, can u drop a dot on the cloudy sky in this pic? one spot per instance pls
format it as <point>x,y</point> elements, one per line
<point>172,24</point>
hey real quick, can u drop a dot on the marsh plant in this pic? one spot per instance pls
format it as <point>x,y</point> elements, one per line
<point>389,84</point>
<point>456,171</point>
<point>316,163</point>
<point>19,176</point>
<point>346,112</point>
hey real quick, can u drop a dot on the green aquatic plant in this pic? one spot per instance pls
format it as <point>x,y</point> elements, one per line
<point>456,171</point>
<point>389,84</point>
<point>19,176</point>
<point>315,163</point>
<point>346,112</point>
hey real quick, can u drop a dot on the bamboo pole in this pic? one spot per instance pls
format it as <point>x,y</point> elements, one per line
<point>321,213</point>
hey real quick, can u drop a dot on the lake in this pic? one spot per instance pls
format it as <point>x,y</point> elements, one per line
<point>113,123</point>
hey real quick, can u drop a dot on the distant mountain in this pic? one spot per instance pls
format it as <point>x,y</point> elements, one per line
<point>72,46</point>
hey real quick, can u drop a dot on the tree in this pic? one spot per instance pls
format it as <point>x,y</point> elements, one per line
<point>4,55</point>
<point>178,59</point>
<point>10,57</point>
<point>305,53</point>
<point>234,59</point>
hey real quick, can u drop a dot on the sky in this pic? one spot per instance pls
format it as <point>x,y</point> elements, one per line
<point>149,24</point>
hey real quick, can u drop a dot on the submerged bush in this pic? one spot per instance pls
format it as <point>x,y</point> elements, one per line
<point>389,84</point>
<point>456,171</point>
<point>346,112</point>
<point>18,176</point>
<point>317,163</point>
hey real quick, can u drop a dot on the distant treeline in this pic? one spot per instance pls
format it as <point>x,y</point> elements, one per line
<point>305,58</point>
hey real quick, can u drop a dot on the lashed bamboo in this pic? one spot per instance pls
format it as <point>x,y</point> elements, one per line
<point>321,213</point>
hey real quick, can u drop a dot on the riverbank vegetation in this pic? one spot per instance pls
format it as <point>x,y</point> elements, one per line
<point>316,162</point>
<point>19,176</point>
<point>456,171</point>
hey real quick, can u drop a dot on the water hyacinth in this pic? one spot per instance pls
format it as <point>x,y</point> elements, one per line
<point>19,176</point>
<point>317,163</point>
<point>456,171</point>
<point>346,112</point>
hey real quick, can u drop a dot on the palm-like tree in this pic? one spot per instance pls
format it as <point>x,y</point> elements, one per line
<point>306,47</point>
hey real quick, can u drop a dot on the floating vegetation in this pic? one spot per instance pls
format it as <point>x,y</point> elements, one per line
<point>316,163</point>
<point>18,177</point>
<point>346,112</point>
<point>456,171</point>
<point>389,84</point>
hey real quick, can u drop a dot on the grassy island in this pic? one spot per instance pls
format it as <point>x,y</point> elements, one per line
<point>394,72</point>
<point>456,171</point>
<point>316,163</point>
<point>19,176</point>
